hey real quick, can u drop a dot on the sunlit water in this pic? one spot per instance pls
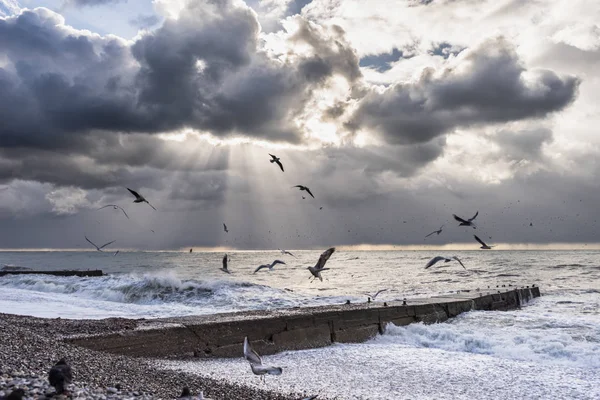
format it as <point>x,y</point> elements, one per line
<point>549,349</point>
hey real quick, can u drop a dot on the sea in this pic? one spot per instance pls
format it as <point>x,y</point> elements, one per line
<point>548,349</point>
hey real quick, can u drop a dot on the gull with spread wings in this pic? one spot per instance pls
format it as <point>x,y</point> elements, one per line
<point>304,188</point>
<point>139,198</point>
<point>438,231</point>
<point>373,296</point>
<point>115,207</point>
<point>256,362</point>
<point>483,245</point>
<point>275,159</point>
<point>274,263</point>
<point>286,252</point>
<point>320,266</point>
<point>468,222</point>
<point>434,260</point>
<point>101,247</point>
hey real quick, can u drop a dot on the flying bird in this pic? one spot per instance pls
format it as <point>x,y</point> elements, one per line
<point>116,252</point>
<point>483,245</point>
<point>373,296</point>
<point>286,252</point>
<point>435,260</point>
<point>224,268</point>
<point>320,266</point>
<point>116,207</point>
<point>256,362</point>
<point>139,198</point>
<point>468,222</point>
<point>274,263</point>
<point>225,228</point>
<point>60,376</point>
<point>304,188</point>
<point>101,247</point>
<point>438,231</point>
<point>275,159</point>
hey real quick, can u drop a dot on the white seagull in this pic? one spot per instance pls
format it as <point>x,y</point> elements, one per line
<point>320,266</point>
<point>275,159</point>
<point>438,231</point>
<point>434,260</point>
<point>256,362</point>
<point>116,207</point>
<point>224,269</point>
<point>483,245</point>
<point>101,247</point>
<point>373,296</point>
<point>274,263</point>
<point>286,252</point>
<point>468,222</point>
<point>139,198</point>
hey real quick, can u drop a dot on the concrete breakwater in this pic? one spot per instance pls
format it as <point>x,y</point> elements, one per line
<point>222,335</point>
<point>95,272</point>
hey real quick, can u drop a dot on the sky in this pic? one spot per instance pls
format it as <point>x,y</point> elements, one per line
<point>396,115</point>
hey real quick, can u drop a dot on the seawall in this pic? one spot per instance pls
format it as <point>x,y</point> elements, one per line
<point>222,335</point>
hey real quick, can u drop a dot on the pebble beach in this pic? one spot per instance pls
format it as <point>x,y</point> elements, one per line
<point>30,346</point>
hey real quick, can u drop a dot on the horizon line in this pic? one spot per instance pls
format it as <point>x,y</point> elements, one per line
<point>355,247</point>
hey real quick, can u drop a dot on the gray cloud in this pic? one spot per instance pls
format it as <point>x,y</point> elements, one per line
<point>523,145</point>
<point>92,3</point>
<point>144,21</point>
<point>492,90</point>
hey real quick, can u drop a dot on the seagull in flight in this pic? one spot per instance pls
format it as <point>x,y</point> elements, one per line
<point>286,252</point>
<point>373,296</point>
<point>274,263</point>
<point>438,231</point>
<point>139,198</point>
<point>434,260</point>
<point>483,245</point>
<point>224,269</point>
<point>256,362</point>
<point>468,222</point>
<point>101,247</point>
<point>304,188</point>
<point>225,228</point>
<point>275,159</point>
<point>116,207</point>
<point>320,266</point>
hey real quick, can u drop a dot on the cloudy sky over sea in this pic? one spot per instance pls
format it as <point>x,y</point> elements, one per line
<point>396,114</point>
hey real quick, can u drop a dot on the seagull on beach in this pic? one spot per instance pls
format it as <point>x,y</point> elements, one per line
<point>116,207</point>
<point>139,198</point>
<point>468,222</point>
<point>101,247</point>
<point>373,296</point>
<point>304,188</point>
<point>434,260</point>
<point>274,263</point>
<point>286,252</point>
<point>224,269</point>
<point>256,362</point>
<point>275,159</point>
<point>320,266</point>
<point>225,228</point>
<point>438,231</point>
<point>60,376</point>
<point>483,245</point>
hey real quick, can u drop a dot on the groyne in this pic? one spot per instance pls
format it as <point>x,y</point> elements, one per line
<point>273,331</point>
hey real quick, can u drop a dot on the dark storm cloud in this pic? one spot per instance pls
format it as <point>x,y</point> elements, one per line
<point>493,89</point>
<point>202,71</point>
